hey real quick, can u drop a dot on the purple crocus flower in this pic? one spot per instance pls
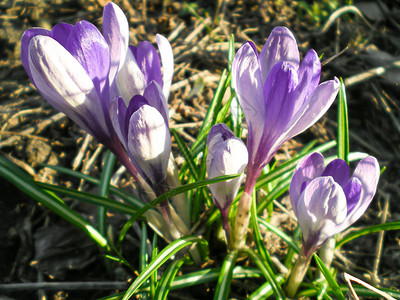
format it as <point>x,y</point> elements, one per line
<point>326,200</point>
<point>280,96</point>
<point>142,127</point>
<point>74,67</point>
<point>143,65</point>
<point>226,155</point>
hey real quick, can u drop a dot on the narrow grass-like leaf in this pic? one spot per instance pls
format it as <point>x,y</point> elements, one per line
<point>89,198</point>
<point>186,154</point>
<point>265,290</point>
<point>143,252</point>
<point>257,235</point>
<point>267,272</point>
<point>343,147</point>
<point>231,51</point>
<point>331,281</point>
<point>225,276</point>
<point>160,259</point>
<point>153,276</point>
<point>276,192</point>
<point>114,190</point>
<point>279,233</point>
<point>360,291</point>
<point>367,230</point>
<point>26,184</point>
<point>167,278</point>
<point>104,186</point>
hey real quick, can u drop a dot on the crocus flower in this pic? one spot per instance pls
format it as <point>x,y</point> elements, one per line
<point>326,200</point>
<point>142,66</point>
<point>227,155</point>
<point>280,96</point>
<point>142,127</point>
<point>74,67</point>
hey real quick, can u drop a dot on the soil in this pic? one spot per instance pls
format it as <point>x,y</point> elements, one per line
<point>32,133</point>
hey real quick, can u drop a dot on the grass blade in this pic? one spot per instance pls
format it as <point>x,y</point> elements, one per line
<point>331,281</point>
<point>167,278</point>
<point>160,259</point>
<point>343,146</point>
<point>225,276</point>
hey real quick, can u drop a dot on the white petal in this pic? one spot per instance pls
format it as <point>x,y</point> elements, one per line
<point>167,59</point>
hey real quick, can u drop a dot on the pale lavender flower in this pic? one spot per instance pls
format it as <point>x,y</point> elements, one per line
<point>142,127</point>
<point>280,96</point>
<point>326,200</point>
<point>226,155</point>
<point>143,65</point>
<point>74,67</point>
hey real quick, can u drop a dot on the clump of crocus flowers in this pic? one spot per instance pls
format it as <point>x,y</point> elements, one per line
<point>118,94</point>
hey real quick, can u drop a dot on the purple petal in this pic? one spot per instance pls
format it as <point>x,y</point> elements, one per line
<point>221,130</point>
<point>309,168</point>
<point>25,40</point>
<point>367,172</point>
<point>155,97</point>
<point>352,190</point>
<point>339,170</point>
<point>309,74</point>
<point>89,48</point>
<point>149,143</point>
<point>321,207</point>
<point>312,110</point>
<point>248,85</point>
<point>65,85</point>
<point>167,58</point>
<point>60,33</point>
<point>130,79</point>
<point>280,46</point>
<point>116,34</point>
<point>118,112</point>
<point>149,62</point>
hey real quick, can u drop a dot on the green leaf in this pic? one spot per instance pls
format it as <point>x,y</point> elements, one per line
<point>265,290</point>
<point>89,198</point>
<point>267,272</point>
<point>167,278</point>
<point>367,230</point>
<point>159,260</point>
<point>331,281</point>
<point>186,154</point>
<point>225,276</point>
<point>104,186</point>
<point>343,125</point>
<point>26,184</point>
<point>231,51</point>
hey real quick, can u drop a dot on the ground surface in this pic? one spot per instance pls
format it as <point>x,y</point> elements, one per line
<point>32,132</point>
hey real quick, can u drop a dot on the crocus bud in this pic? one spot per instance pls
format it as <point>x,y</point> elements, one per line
<point>227,155</point>
<point>326,201</point>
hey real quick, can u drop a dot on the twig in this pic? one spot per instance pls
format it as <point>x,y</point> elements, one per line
<point>174,34</point>
<point>348,278</point>
<point>206,75</point>
<point>78,159</point>
<point>379,244</point>
<point>353,80</point>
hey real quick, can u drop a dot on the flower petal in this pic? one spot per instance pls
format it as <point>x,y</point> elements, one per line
<point>339,170</point>
<point>116,34</point>
<point>25,40</point>
<point>89,48</point>
<point>118,115</point>
<point>149,62</point>
<point>60,33</point>
<point>130,79</point>
<point>280,46</point>
<point>155,97</point>
<point>167,58</point>
<point>65,85</point>
<point>309,168</point>
<point>149,143</point>
<point>352,190</point>
<point>367,172</point>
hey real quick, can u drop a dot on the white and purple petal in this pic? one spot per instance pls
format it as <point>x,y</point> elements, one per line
<point>167,59</point>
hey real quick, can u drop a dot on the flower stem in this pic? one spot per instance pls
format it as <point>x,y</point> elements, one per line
<point>297,274</point>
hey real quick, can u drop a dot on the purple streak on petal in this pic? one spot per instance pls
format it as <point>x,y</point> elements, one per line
<point>367,172</point>
<point>116,34</point>
<point>167,58</point>
<point>339,170</point>
<point>352,190</point>
<point>309,168</point>
<point>137,102</point>
<point>309,74</point>
<point>60,33</point>
<point>221,129</point>
<point>149,62</point>
<point>89,48</point>
<point>155,97</point>
<point>280,46</point>
<point>25,40</point>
